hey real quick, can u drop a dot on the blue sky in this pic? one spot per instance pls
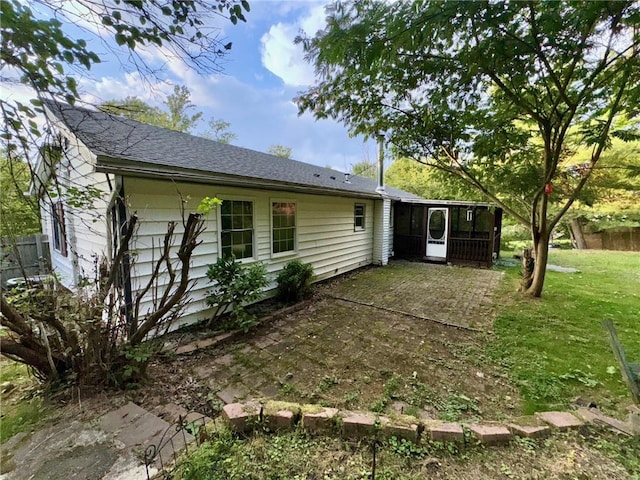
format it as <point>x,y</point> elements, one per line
<point>255,92</point>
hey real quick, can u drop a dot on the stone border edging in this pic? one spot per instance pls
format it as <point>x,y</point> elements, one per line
<point>278,416</point>
<point>191,347</point>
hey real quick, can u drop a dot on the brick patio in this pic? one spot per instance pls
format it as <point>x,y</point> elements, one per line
<point>363,330</point>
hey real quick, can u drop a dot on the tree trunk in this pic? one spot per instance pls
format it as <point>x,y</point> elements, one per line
<point>527,269</point>
<point>540,268</point>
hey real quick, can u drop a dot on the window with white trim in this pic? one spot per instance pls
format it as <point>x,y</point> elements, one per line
<point>236,233</point>
<point>358,216</point>
<point>283,227</point>
<point>58,228</point>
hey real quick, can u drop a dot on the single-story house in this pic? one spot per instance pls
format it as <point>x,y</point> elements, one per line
<point>274,209</point>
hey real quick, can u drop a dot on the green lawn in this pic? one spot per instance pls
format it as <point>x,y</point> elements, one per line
<point>555,348</point>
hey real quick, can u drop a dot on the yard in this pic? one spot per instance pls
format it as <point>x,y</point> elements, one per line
<point>432,341</point>
<point>384,339</point>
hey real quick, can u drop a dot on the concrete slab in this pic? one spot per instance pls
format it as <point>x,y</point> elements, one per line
<point>558,268</point>
<point>116,419</point>
<point>109,448</point>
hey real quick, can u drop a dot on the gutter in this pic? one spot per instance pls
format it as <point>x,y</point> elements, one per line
<point>108,165</point>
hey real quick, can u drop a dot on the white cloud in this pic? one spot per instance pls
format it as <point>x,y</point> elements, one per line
<point>282,56</point>
<point>130,85</point>
<point>259,116</point>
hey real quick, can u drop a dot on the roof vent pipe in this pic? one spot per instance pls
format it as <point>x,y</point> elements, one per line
<point>347,178</point>
<point>380,187</point>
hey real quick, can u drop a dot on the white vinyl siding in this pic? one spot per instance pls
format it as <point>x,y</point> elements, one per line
<point>382,222</point>
<point>324,232</point>
<point>85,225</point>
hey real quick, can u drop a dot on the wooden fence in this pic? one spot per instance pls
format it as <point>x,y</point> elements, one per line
<point>585,236</point>
<point>22,256</point>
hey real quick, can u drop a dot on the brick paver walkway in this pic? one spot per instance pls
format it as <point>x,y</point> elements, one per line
<point>343,349</point>
<point>456,295</point>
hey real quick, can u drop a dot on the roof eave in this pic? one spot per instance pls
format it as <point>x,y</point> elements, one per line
<point>125,167</point>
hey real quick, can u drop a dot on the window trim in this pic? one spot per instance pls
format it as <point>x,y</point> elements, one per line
<point>254,249</point>
<point>295,233</point>
<point>59,228</point>
<point>357,228</point>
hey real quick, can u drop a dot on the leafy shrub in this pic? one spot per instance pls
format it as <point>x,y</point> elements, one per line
<point>294,281</point>
<point>236,285</point>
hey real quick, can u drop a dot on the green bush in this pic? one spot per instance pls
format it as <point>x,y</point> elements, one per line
<point>236,286</point>
<point>294,281</point>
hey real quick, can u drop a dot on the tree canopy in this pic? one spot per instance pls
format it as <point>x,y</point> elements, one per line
<point>417,178</point>
<point>64,335</point>
<point>366,169</point>
<point>19,215</point>
<point>499,94</point>
<point>40,54</point>
<point>280,151</point>
<point>177,115</point>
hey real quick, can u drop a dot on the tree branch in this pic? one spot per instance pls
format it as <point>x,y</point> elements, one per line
<point>193,228</point>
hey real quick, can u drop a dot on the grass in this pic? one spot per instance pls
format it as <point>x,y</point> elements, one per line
<point>21,411</point>
<point>555,348</point>
<point>297,455</point>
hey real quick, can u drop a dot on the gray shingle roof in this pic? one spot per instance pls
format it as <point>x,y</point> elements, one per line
<point>111,137</point>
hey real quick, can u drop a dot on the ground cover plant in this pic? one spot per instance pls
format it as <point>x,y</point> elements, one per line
<point>297,455</point>
<point>556,349</point>
<point>22,406</point>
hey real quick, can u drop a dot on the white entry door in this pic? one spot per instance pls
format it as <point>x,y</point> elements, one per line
<point>437,228</point>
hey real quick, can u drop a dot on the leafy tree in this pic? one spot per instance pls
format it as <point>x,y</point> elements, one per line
<point>498,94</point>
<point>615,182</point>
<point>175,118</point>
<point>62,336</point>
<point>280,151</point>
<point>41,55</point>
<point>136,109</point>
<point>219,131</point>
<point>178,104</point>
<point>19,214</point>
<point>427,182</point>
<point>365,169</point>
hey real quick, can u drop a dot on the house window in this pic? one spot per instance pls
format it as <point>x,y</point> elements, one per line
<point>58,227</point>
<point>358,216</point>
<point>283,221</point>
<point>236,218</point>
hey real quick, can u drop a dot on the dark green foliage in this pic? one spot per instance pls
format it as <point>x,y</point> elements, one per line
<point>82,336</point>
<point>43,56</point>
<point>499,95</point>
<point>237,285</point>
<point>19,214</point>
<point>294,281</point>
